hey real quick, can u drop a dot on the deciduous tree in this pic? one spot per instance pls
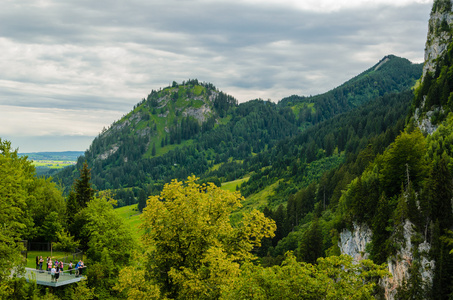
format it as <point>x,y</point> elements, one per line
<point>193,249</point>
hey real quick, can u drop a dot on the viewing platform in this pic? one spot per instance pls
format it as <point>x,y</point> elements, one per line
<point>43,277</point>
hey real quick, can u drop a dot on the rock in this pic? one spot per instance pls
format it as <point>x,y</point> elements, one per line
<point>354,243</point>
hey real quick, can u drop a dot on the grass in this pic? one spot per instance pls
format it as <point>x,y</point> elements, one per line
<point>131,216</point>
<point>31,257</point>
<point>231,185</point>
<point>52,164</point>
<point>198,89</point>
<point>259,200</point>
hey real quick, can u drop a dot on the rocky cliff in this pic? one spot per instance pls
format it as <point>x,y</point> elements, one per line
<point>438,39</point>
<point>354,243</point>
<point>439,34</point>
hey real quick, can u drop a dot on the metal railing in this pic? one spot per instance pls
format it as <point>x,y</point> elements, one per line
<point>43,277</point>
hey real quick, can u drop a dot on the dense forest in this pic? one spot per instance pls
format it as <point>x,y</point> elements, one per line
<point>308,172</point>
<point>192,128</point>
<point>259,140</point>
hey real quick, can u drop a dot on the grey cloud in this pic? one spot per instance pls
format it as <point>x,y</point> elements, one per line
<point>110,54</point>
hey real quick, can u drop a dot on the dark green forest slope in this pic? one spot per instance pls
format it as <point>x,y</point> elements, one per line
<point>400,188</point>
<point>193,128</point>
<point>391,74</point>
<point>363,176</point>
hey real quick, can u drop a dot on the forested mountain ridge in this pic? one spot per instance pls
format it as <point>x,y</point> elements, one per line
<point>393,205</point>
<point>391,74</point>
<point>370,183</point>
<point>193,128</point>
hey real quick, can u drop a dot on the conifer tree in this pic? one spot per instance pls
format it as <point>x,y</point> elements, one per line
<point>311,246</point>
<point>153,152</point>
<point>380,235</point>
<point>84,191</point>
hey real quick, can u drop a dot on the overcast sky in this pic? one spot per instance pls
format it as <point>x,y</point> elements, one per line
<point>70,67</point>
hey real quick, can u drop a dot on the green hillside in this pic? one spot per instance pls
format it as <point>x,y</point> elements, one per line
<point>193,128</point>
<point>391,74</point>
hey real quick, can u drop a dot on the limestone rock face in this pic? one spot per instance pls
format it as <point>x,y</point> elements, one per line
<point>354,244</point>
<point>437,41</point>
<point>439,35</point>
<point>400,264</point>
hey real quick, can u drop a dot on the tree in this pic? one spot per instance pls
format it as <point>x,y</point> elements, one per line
<point>65,242</point>
<point>193,249</point>
<point>110,244</point>
<point>405,156</point>
<point>47,200</point>
<point>311,245</point>
<point>141,200</point>
<point>84,191</point>
<point>51,226</point>
<point>336,277</point>
<point>79,197</point>
<point>15,175</point>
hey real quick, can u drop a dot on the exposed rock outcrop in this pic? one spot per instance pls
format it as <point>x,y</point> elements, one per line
<point>201,114</point>
<point>437,41</point>
<point>439,34</point>
<point>354,244</point>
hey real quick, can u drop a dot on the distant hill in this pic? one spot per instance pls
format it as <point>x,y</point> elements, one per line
<point>63,156</point>
<point>49,163</point>
<point>391,74</point>
<point>193,128</point>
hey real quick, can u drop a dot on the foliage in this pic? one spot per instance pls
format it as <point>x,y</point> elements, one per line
<point>65,242</point>
<point>109,242</point>
<point>16,181</point>
<point>163,124</point>
<point>133,284</point>
<point>192,246</point>
<point>336,277</point>
<point>392,74</point>
<point>435,92</point>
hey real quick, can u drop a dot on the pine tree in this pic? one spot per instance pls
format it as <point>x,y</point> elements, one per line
<point>84,191</point>
<point>311,245</point>
<point>380,235</point>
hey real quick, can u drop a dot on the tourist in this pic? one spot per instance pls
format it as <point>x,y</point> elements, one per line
<point>40,264</point>
<point>57,274</point>
<point>77,269</point>
<point>70,267</point>
<point>61,267</point>
<point>52,273</point>
<point>81,267</point>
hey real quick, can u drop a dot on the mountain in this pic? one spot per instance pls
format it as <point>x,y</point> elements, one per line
<point>392,201</point>
<point>63,155</point>
<point>391,74</point>
<point>193,128</point>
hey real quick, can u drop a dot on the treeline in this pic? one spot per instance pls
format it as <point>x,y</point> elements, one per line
<point>254,126</point>
<point>140,150</point>
<point>188,247</point>
<point>392,74</point>
<point>293,159</point>
<point>405,188</point>
<point>308,198</point>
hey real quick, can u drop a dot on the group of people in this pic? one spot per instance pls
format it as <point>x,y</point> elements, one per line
<point>57,267</point>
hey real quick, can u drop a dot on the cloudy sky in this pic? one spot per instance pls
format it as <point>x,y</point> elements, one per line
<point>70,67</point>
